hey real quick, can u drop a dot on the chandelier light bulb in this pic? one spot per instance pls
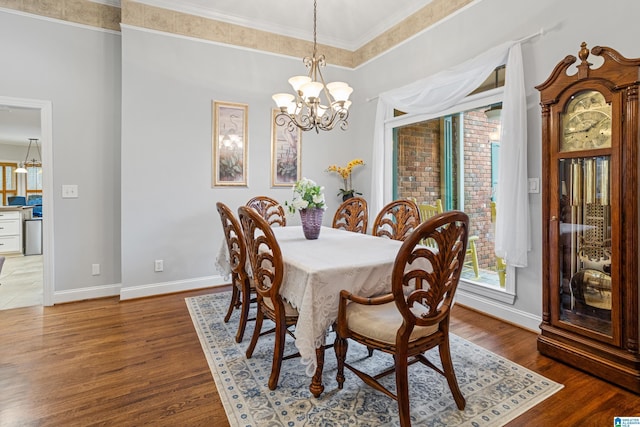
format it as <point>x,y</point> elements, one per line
<point>298,81</point>
<point>340,93</point>
<point>321,110</point>
<point>311,90</point>
<point>283,99</point>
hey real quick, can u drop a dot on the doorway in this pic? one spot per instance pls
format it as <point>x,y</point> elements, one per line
<point>40,264</point>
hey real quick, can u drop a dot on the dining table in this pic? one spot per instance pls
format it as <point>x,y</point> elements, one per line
<point>315,271</point>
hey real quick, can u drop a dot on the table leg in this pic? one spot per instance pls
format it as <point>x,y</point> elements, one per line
<point>316,388</point>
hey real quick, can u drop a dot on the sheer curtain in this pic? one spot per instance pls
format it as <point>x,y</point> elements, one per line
<point>444,90</point>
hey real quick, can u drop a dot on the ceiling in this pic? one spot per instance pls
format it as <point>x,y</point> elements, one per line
<point>18,124</point>
<point>346,24</point>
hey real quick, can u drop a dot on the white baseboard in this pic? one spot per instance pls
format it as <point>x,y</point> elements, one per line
<point>93,292</point>
<point>171,287</point>
<point>500,311</point>
<point>72,295</point>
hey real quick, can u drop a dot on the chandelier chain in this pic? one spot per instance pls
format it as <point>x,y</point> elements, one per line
<point>315,24</point>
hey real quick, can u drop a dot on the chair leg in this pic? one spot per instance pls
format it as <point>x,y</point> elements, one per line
<point>447,367</point>
<point>244,314</point>
<point>474,258</point>
<point>340,345</point>
<point>278,352</point>
<point>256,333</point>
<point>502,271</point>
<point>232,303</point>
<point>402,390</point>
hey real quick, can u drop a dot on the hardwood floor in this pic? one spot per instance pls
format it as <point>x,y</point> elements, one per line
<point>105,362</point>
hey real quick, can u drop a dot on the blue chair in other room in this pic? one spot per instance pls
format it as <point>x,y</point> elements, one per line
<point>17,200</point>
<point>35,200</point>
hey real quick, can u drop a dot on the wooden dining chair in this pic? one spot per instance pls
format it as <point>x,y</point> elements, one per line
<point>269,209</point>
<point>414,317</point>
<point>267,271</point>
<point>243,294</point>
<point>397,220</point>
<point>352,215</point>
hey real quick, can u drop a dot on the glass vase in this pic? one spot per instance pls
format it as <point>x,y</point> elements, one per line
<point>311,222</point>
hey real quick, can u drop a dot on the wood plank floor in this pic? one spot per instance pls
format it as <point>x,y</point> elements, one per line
<point>131,363</point>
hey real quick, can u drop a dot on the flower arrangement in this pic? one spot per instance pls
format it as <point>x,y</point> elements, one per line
<point>306,194</point>
<point>345,173</point>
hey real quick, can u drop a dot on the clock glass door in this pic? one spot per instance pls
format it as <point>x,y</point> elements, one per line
<point>585,248</point>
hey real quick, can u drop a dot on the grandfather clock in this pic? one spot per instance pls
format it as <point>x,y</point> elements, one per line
<point>590,215</point>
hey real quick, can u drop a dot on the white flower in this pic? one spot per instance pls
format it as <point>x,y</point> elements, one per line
<point>306,194</point>
<point>300,204</point>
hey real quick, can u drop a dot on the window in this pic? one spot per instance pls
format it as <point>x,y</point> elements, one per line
<point>9,186</point>
<point>453,158</point>
<point>34,180</point>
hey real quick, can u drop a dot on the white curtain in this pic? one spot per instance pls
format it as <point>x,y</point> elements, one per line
<point>444,90</point>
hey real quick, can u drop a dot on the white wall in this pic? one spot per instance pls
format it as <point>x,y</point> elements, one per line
<point>471,32</point>
<point>77,69</point>
<point>168,204</point>
<point>12,153</point>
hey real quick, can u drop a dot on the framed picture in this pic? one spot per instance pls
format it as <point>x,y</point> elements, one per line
<point>230,143</point>
<point>285,154</point>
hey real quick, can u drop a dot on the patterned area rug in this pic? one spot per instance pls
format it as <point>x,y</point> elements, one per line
<point>496,390</point>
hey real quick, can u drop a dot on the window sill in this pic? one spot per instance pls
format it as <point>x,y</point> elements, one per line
<point>486,291</point>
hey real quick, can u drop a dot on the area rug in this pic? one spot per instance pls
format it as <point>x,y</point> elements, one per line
<point>496,390</point>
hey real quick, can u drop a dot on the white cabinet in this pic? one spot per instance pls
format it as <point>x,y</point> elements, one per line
<point>10,232</point>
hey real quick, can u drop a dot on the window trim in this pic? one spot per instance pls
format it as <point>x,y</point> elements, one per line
<point>506,295</point>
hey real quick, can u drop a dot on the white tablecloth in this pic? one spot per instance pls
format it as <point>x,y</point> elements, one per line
<point>317,270</point>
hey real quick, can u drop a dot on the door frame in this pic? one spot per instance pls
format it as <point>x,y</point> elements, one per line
<point>46,130</point>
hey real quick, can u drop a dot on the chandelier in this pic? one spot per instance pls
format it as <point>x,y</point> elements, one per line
<point>33,162</point>
<point>315,105</point>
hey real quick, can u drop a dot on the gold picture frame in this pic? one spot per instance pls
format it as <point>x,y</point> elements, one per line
<point>285,154</point>
<point>230,143</point>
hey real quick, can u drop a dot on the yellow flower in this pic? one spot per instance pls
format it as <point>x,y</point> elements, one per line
<point>345,173</point>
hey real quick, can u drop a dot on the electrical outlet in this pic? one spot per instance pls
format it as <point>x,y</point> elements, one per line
<point>95,269</point>
<point>70,191</point>
<point>159,265</point>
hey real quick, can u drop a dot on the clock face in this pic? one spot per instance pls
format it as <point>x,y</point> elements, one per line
<point>586,124</point>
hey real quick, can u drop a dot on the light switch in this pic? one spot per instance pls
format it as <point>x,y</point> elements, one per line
<point>534,185</point>
<point>69,191</point>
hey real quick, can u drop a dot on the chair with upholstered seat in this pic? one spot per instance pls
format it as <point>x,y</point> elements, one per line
<point>414,317</point>
<point>269,209</point>
<point>352,215</point>
<point>397,220</point>
<point>241,296</point>
<point>267,272</point>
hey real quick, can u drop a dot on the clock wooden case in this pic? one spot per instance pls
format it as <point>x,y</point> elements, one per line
<point>590,218</point>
